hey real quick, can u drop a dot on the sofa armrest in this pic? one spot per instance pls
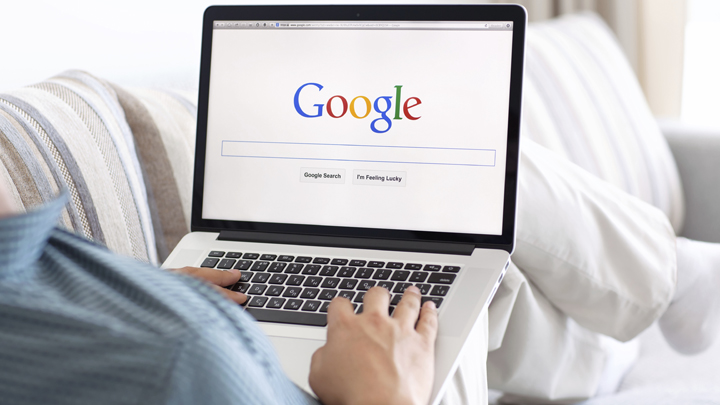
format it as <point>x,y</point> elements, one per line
<point>697,154</point>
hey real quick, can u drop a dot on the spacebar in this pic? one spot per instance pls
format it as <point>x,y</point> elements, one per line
<point>297,318</point>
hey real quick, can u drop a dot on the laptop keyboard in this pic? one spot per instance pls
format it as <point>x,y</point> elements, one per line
<point>298,289</point>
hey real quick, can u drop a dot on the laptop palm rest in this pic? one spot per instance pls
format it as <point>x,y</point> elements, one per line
<point>295,356</point>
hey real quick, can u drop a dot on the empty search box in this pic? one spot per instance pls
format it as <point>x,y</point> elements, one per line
<point>421,155</point>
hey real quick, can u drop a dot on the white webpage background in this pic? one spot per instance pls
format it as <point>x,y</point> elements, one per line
<point>462,78</point>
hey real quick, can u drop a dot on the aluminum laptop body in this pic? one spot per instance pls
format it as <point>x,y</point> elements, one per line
<point>385,137</point>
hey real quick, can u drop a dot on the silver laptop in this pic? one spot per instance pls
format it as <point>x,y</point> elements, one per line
<point>345,147</point>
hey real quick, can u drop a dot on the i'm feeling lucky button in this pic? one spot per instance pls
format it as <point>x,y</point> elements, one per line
<point>379,178</point>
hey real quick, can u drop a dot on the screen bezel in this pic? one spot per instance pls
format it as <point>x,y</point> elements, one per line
<point>483,12</point>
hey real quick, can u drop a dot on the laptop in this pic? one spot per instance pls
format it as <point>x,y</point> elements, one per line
<point>345,147</point>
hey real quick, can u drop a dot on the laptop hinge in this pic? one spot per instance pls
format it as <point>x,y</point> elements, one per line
<point>347,242</point>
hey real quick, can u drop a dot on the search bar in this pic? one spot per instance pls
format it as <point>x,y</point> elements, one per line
<point>420,155</point>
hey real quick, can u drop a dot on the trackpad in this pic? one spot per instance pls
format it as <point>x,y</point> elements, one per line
<point>295,355</point>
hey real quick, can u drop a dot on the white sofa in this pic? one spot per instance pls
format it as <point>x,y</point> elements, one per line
<point>126,157</point>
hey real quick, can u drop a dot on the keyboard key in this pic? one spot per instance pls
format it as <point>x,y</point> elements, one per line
<point>209,262</point>
<point>285,258</point>
<point>348,284</point>
<point>330,282</point>
<point>294,268</point>
<point>391,309</point>
<point>292,292</point>
<point>293,304</point>
<point>311,269</point>
<point>347,294</point>
<point>276,303</point>
<point>327,294</point>
<point>268,257</point>
<point>451,269</point>
<point>328,270</point>
<point>360,310</point>
<point>216,253</point>
<point>295,280</point>
<point>251,256</point>
<point>366,285</point>
<point>313,282</point>
<point>431,267</point>
<point>440,290</point>
<point>303,259</point>
<point>339,262</point>
<point>277,267</point>
<point>311,306</point>
<point>246,276</point>
<point>436,300</point>
<point>357,263</point>
<point>347,272</point>
<point>394,265</point>
<point>226,264</point>
<point>258,301</point>
<point>274,290</point>
<point>441,278</point>
<point>376,264</point>
<point>260,278</point>
<point>400,275</point>
<point>324,307</point>
<point>418,276</point>
<point>396,299</point>
<point>364,273</point>
<point>277,278</point>
<point>382,274</point>
<point>260,266</point>
<point>401,287</point>
<point>310,293</point>
<point>243,264</point>
<point>321,260</point>
<point>233,255</point>
<point>413,266</point>
<point>241,287</point>
<point>257,289</point>
<point>424,288</point>
<point>296,318</point>
<point>388,285</point>
<point>359,297</point>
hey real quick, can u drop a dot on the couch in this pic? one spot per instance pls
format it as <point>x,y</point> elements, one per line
<point>125,156</point>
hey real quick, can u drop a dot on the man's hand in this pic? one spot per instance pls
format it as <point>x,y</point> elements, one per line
<point>218,279</point>
<point>372,358</point>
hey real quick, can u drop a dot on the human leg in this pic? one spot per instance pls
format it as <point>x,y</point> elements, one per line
<point>691,322</point>
<point>591,263</point>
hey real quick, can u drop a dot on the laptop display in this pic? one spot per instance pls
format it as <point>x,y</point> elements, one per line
<point>391,125</point>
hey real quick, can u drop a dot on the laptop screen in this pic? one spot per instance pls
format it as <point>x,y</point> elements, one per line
<point>376,124</point>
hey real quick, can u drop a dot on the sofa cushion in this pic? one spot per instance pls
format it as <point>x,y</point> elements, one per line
<point>70,132</point>
<point>582,100</point>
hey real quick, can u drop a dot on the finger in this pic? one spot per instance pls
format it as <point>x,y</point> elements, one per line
<point>409,307</point>
<point>218,277</point>
<point>339,309</point>
<point>377,300</point>
<point>427,325</point>
<point>235,296</point>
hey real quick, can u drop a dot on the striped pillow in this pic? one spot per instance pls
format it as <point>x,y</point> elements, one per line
<point>583,101</point>
<point>71,132</point>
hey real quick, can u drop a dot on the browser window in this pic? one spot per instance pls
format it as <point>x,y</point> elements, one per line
<point>389,125</point>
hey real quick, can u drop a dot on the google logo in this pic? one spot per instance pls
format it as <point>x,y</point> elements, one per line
<point>337,106</point>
